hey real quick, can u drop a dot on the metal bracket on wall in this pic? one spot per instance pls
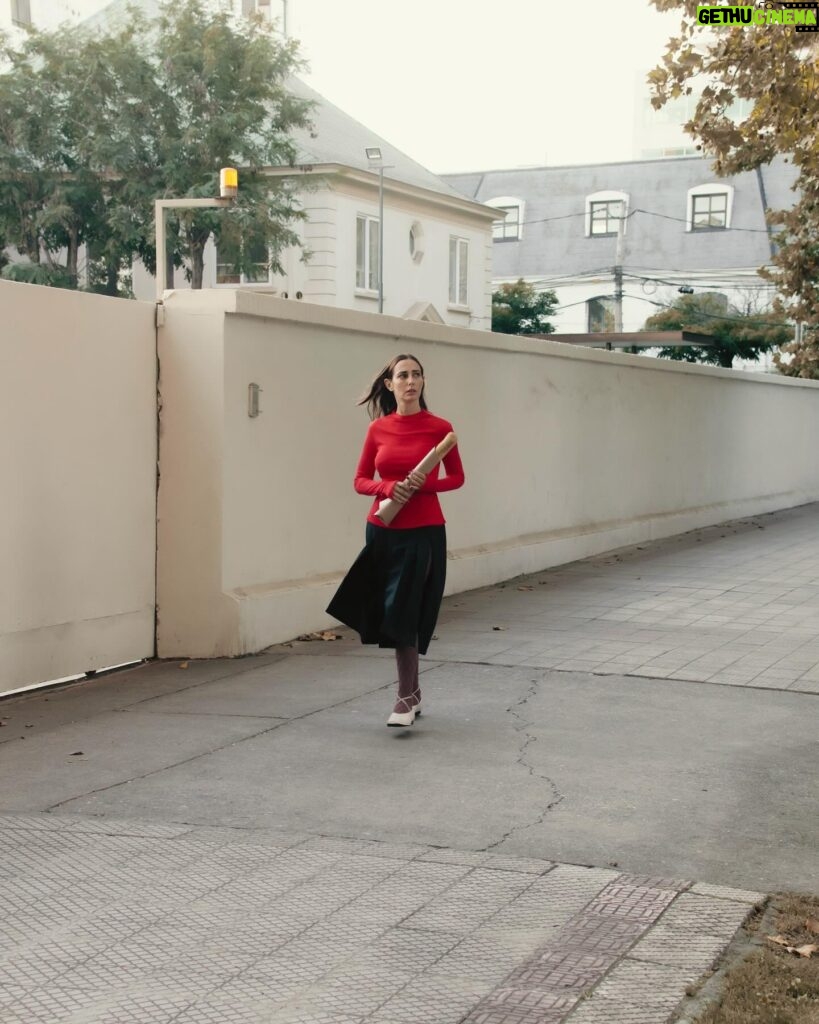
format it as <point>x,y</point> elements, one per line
<point>253,409</point>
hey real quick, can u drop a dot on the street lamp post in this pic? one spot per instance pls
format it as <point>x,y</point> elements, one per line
<point>375,159</point>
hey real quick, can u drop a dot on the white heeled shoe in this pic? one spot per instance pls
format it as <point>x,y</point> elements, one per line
<point>404,719</point>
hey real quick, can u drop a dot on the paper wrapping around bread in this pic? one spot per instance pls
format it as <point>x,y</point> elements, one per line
<point>388,509</point>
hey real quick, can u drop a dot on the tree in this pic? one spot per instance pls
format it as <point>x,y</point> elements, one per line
<point>47,200</point>
<point>739,333</point>
<point>93,128</point>
<point>776,69</point>
<point>519,309</point>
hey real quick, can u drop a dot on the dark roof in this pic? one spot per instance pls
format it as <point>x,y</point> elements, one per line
<point>341,139</point>
<point>554,243</point>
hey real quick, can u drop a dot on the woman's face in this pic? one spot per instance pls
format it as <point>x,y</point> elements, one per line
<point>406,384</point>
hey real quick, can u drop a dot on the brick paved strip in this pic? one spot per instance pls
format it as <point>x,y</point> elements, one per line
<point>549,985</point>
<point>562,970</point>
<point>632,902</point>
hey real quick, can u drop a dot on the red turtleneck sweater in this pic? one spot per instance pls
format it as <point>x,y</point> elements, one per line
<point>393,447</point>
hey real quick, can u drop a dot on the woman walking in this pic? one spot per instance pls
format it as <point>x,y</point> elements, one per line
<point>392,594</point>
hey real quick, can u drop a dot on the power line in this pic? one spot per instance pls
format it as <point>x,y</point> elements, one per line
<point>686,274</point>
<point>629,215</point>
<point>694,314</point>
<point>684,220</point>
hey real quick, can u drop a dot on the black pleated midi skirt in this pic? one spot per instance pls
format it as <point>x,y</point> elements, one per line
<point>392,594</point>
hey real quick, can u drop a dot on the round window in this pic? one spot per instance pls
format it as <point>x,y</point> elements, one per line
<point>416,242</point>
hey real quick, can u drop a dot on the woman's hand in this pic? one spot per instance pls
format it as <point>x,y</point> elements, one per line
<point>402,491</point>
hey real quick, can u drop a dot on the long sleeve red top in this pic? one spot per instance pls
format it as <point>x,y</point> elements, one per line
<point>394,446</point>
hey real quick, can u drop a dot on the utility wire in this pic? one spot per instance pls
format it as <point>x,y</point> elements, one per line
<point>694,314</point>
<point>714,283</point>
<point>629,215</point>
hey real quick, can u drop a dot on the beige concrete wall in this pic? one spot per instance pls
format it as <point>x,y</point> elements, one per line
<point>567,452</point>
<point>78,465</point>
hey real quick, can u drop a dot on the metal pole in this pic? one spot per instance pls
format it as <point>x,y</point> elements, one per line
<point>159,221</point>
<point>160,206</point>
<point>381,239</point>
<point>618,274</point>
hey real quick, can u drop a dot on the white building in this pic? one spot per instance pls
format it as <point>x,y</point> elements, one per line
<point>661,133</point>
<point>437,243</point>
<point>682,228</point>
<point>43,14</point>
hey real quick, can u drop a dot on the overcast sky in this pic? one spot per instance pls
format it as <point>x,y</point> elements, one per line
<point>472,85</point>
<point>464,85</point>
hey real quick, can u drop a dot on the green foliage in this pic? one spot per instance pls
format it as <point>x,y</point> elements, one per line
<point>738,333</point>
<point>776,70</point>
<point>519,309</point>
<point>95,127</point>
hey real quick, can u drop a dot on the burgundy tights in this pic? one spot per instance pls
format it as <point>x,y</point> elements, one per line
<point>406,659</point>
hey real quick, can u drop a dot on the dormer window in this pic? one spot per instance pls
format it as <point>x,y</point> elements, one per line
<point>605,212</point>
<point>709,207</point>
<point>510,229</point>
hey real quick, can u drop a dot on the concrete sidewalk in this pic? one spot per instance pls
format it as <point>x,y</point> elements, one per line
<point>617,758</point>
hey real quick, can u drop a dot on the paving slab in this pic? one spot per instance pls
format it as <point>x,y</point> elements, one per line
<point>607,778</point>
<point>579,768</point>
<point>106,927</point>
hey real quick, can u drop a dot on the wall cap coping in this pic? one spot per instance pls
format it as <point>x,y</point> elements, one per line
<point>240,302</point>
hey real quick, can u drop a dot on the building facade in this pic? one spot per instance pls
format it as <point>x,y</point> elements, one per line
<point>437,243</point>
<point>643,229</point>
<point>437,262</point>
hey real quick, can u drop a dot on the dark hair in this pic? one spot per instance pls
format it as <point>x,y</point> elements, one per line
<point>380,401</point>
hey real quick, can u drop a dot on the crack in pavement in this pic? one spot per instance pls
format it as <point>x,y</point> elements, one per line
<point>522,727</point>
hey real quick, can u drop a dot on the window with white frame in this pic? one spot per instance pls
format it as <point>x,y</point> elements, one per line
<point>458,271</point>
<point>709,207</point>
<point>600,312</point>
<point>605,213</point>
<point>606,216</point>
<point>250,254</point>
<point>507,230</point>
<point>21,12</point>
<point>510,229</point>
<point>366,253</point>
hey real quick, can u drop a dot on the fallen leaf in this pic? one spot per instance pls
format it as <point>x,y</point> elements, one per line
<point>2,724</point>
<point>323,635</point>
<point>183,664</point>
<point>524,588</point>
<point>78,753</point>
<point>806,951</point>
<point>499,629</point>
<point>812,925</point>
